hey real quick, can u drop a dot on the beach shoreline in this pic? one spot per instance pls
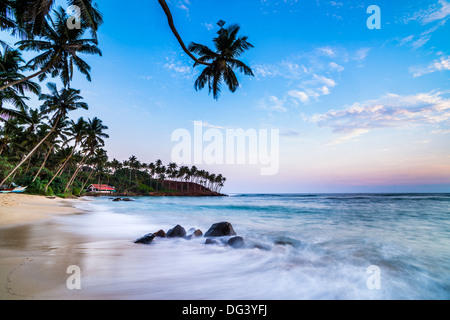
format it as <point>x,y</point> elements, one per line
<point>33,252</point>
<point>16,209</point>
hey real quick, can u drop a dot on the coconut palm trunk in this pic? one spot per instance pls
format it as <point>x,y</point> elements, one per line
<point>43,163</point>
<point>72,179</point>
<point>59,171</point>
<point>31,152</point>
<point>84,184</point>
<point>175,32</point>
<point>30,77</point>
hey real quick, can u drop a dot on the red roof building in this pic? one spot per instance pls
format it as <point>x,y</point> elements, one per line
<point>101,188</point>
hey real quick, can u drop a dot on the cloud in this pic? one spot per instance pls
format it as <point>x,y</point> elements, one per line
<point>389,111</point>
<point>178,67</point>
<point>264,71</point>
<point>435,12</point>
<point>206,124</point>
<point>441,131</point>
<point>441,64</point>
<point>183,5</point>
<point>272,103</point>
<point>326,51</point>
<point>361,54</point>
<point>336,4</point>
<point>289,133</point>
<point>336,67</point>
<point>420,40</point>
<point>208,26</point>
<point>352,135</point>
<point>312,88</point>
<point>299,95</point>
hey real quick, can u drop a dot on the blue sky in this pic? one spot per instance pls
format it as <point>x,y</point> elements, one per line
<point>358,110</point>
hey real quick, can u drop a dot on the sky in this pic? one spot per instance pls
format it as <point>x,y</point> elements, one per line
<point>357,109</point>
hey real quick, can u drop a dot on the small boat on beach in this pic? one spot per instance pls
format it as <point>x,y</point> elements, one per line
<point>13,190</point>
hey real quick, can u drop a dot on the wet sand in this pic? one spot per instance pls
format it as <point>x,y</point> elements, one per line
<point>38,246</point>
<point>22,208</point>
<point>34,254</point>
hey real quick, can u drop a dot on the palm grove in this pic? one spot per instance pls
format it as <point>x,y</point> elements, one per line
<point>41,146</point>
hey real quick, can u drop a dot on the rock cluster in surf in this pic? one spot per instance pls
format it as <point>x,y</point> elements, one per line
<point>213,235</point>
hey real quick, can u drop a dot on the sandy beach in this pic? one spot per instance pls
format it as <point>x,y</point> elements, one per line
<point>32,250</point>
<point>22,208</point>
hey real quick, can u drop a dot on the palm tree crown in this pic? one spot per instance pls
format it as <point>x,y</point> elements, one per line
<point>11,66</point>
<point>61,47</point>
<point>223,61</point>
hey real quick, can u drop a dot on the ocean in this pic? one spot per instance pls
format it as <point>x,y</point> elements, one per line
<point>297,246</point>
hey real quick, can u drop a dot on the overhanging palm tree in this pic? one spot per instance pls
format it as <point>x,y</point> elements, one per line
<point>59,102</point>
<point>175,32</point>
<point>31,14</point>
<point>220,65</point>
<point>229,47</point>
<point>60,47</point>
<point>8,21</point>
<point>11,67</point>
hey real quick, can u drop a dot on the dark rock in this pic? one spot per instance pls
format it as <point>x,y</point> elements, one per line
<point>147,239</point>
<point>236,242</point>
<point>160,234</point>
<point>211,241</point>
<point>194,233</point>
<point>127,199</point>
<point>177,232</point>
<point>117,199</point>
<point>198,233</point>
<point>261,247</point>
<point>220,229</point>
<point>284,241</point>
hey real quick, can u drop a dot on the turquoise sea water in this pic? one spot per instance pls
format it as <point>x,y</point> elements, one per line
<point>298,246</point>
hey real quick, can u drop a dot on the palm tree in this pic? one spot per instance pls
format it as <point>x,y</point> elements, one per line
<point>61,47</point>
<point>115,165</point>
<point>98,164</point>
<point>93,141</point>
<point>59,102</point>
<point>8,20</point>
<point>223,61</point>
<point>133,164</point>
<point>32,14</point>
<point>219,64</point>
<point>11,66</point>
<point>175,32</point>
<point>172,171</point>
<point>77,131</point>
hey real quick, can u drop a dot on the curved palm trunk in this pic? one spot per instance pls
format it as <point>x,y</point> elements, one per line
<point>75,173</point>
<point>43,163</point>
<point>60,169</point>
<point>31,152</point>
<point>175,32</point>
<point>84,184</point>
<point>34,74</point>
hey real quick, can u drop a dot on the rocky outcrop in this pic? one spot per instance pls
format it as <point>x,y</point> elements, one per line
<point>176,232</point>
<point>220,229</point>
<point>147,239</point>
<point>160,234</point>
<point>236,242</point>
<point>211,241</point>
<point>121,199</point>
<point>194,233</point>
